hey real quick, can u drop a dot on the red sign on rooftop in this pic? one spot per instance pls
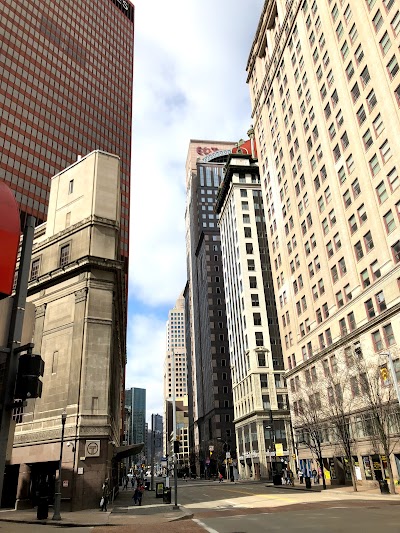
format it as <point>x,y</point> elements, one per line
<point>10,231</point>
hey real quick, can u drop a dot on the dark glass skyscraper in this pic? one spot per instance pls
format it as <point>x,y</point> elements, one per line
<point>65,90</point>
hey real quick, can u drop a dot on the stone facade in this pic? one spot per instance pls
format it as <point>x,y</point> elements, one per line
<point>77,286</point>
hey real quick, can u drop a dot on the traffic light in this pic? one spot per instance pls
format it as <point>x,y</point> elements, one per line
<point>28,384</point>
<point>176,446</point>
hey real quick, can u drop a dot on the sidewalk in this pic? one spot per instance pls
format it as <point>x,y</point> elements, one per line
<point>346,489</point>
<point>120,512</point>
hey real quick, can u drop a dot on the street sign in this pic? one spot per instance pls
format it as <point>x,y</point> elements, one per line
<point>228,455</point>
<point>279,449</point>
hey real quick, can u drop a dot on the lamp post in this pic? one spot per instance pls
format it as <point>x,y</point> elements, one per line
<point>57,495</point>
<point>270,427</point>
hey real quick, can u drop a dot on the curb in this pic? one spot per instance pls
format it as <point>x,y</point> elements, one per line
<point>288,487</point>
<point>54,523</point>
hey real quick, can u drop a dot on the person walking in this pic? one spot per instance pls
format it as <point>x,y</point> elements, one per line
<point>221,478</point>
<point>301,476</point>
<point>315,476</point>
<point>105,495</point>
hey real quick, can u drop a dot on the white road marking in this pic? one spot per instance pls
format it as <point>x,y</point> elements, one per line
<point>202,524</point>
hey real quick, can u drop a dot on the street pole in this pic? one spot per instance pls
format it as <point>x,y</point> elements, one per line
<point>14,342</point>
<point>57,495</point>
<point>174,429</point>
<point>153,445</point>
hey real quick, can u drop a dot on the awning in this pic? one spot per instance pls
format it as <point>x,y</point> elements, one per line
<point>121,452</point>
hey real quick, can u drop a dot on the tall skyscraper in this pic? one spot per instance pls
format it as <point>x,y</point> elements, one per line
<point>176,346</point>
<point>65,90</point>
<point>325,89</point>
<point>210,388</point>
<point>135,400</point>
<point>259,393</point>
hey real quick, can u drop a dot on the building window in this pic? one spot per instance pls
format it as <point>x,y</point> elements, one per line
<point>389,335</point>
<point>35,269</point>
<point>365,278</point>
<point>369,308</point>
<point>371,100</point>
<point>64,254</point>
<point>71,187</point>
<point>352,321</point>
<point>261,359</point>
<point>264,381</point>
<point>393,67</point>
<point>380,301</point>
<point>377,340</point>
<point>389,221</point>
<point>259,338</point>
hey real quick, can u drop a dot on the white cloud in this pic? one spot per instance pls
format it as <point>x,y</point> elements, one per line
<point>189,82</point>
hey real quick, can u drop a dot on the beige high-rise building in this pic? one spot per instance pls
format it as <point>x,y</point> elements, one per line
<point>325,89</point>
<point>77,286</point>
<point>262,421</point>
<point>176,345</point>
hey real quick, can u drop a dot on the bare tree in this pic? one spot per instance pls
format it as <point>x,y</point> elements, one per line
<point>310,426</point>
<point>338,410</point>
<point>381,404</point>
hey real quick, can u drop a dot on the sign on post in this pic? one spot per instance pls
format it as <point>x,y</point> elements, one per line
<point>279,449</point>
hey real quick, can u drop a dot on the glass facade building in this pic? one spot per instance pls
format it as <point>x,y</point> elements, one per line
<point>65,90</point>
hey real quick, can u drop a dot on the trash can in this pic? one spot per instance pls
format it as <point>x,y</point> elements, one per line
<point>160,489</point>
<point>167,495</point>
<point>277,479</point>
<point>42,508</point>
<point>308,482</point>
<point>383,485</point>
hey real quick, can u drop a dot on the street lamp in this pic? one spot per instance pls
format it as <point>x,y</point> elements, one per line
<point>57,495</point>
<point>271,428</point>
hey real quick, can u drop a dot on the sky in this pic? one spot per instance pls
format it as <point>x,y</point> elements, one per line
<point>189,83</point>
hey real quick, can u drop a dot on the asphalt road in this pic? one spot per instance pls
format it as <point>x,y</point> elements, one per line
<point>337,519</point>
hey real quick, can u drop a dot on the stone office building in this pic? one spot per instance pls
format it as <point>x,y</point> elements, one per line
<point>77,285</point>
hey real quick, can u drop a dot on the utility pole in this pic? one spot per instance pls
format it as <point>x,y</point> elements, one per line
<point>14,342</point>
<point>174,429</point>
<point>153,445</point>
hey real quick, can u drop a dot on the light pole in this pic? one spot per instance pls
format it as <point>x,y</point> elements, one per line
<point>57,495</point>
<point>270,427</point>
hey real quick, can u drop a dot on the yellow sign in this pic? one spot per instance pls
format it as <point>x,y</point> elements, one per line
<point>279,450</point>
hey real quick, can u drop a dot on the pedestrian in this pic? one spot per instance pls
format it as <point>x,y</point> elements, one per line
<point>221,477</point>
<point>126,480</point>
<point>290,477</point>
<point>184,476</point>
<point>133,482</point>
<point>301,476</point>
<point>138,494</point>
<point>105,495</point>
<point>315,476</point>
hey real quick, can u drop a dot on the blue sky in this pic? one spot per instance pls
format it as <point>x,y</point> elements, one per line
<point>189,83</point>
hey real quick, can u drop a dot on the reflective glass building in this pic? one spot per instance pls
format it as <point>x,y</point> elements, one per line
<point>65,90</point>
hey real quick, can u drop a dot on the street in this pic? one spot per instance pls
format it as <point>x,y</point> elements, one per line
<point>234,508</point>
<point>336,519</point>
